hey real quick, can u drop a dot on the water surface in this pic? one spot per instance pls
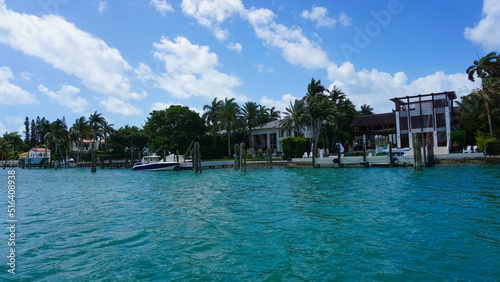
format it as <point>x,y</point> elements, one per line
<point>288,224</point>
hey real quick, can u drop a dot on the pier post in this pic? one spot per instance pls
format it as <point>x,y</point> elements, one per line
<point>417,152</point>
<point>236,157</point>
<point>339,154</point>
<point>390,154</point>
<point>364,148</point>
<point>243,157</point>
<point>94,159</point>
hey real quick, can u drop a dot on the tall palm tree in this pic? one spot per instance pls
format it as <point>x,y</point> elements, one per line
<point>274,114</point>
<point>488,69</point>
<point>83,130</point>
<point>313,89</point>
<point>58,134</point>
<point>13,139</point>
<point>96,122</point>
<point>366,110</point>
<point>251,115</point>
<point>295,116</point>
<point>211,117</point>
<point>229,117</point>
<point>107,129</point>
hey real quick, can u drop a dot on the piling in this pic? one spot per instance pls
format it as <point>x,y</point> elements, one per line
<point>364,148</point>
<point>391,160</point>
<point>243,157</point>
<point>430,156</point>
<point>94,160</point>
<point>196,158</point>
<point>417,152</point>
<point>236,157</point>
<point>269,158</point>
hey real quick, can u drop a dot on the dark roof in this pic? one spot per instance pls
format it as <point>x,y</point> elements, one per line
<point>451,94</point>
<point>387,119</point>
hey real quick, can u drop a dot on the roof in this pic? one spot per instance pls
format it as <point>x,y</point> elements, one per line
<point>403,100</point>
<point>387,118</point>
<point>270,125</point>
<point>39,149</point>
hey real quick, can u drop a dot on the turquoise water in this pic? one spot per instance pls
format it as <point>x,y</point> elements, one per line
<point>287,224</point>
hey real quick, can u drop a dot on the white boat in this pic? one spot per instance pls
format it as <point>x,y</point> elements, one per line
<point>154,162</point>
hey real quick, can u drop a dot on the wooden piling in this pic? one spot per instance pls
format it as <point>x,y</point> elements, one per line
<point>236,157</point>
<point>417,152</point>
<point>390,155</point>
<point>93,168</point>
<point>243,157</point>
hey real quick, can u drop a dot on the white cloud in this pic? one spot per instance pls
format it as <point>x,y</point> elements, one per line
<point>161,6</point>
<point>66,96</point>
<point>344,19</point>
<point>190,70</point>
<point>264,69</point>
<point>375,88</point>
<point>101,6</point>
<point>296,48</point>
<point>212,13</point>
<point>162,106</point>
<point>69,49</point>
<point>487,31</point>
<point>118,106</point>
<point>280,105</point>
<point>235,47</point>
<point>11,94</point>
<point>319,15</point>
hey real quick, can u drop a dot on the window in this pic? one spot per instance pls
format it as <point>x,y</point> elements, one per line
<point>440,120</point>
<point>403,123</point>
<point>442,138</point>
<point>416,122</point>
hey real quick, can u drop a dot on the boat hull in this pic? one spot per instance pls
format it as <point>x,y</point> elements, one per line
<point>156,166</point>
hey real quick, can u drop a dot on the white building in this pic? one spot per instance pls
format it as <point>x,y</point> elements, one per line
<point>270,135</point>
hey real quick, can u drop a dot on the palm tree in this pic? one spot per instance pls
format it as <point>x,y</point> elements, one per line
<point>13,139</point>
<point>251,115</point>
<point>488,69</point>
<point>313,89</point>
<point>96,122</point>
<point>211,117</point>
<point>295,116</point>
<point>274,114</point>
<point>82,129</point>
<point>107,129</point>
<point>57,134</point>
<point>366,110</point>
<point>229,117</point>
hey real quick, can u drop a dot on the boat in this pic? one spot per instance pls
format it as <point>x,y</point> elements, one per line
<point>154,162</point>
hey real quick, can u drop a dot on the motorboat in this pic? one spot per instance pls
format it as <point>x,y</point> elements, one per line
<point>154,162</point>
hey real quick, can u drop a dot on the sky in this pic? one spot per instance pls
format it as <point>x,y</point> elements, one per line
<point>125,59</point>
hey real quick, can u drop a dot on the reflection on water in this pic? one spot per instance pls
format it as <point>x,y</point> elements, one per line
<point>280,224</point>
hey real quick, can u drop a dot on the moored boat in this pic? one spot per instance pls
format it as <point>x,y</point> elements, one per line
<point>154,162</point>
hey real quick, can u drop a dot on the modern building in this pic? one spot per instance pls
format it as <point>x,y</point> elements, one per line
<point>428,114</point>
<point>270,135</point>
<point>372,126</point>
<point>87,145</point>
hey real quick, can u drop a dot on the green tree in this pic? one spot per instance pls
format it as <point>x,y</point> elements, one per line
<point>211,117</point>
<point>295,116</point>
<point>4,148</point>
<point>488,69</point>
<point>57,135</point>
<point>14,140</point>
<point>366,110</point>
<point>174,127</point>
<point>82,129</point>
<point>96,122</point>
<point>229,117</point>
<point>252,115</point>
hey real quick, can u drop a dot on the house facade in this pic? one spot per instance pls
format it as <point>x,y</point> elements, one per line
<point>428,114</point>
<point>270,135</point>
<point>372,126</point>
<point>87,145</point>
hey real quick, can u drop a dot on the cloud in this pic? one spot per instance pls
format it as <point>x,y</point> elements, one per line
<point>69,49</point>
<point>319,15</point>
<point>101,6</point>
<point>190,70</point>
<point>375,88</point>
<point>212,13</point>
<point>11,94</point>
<point>235,47</point>
<point>118,106</point>
<point>66,96</point>
<point>161,6</point>
<point>280,105</point>
<point>3,129</point>
<point>344,19</point>
<point>295,47</point>
<point>486,32</point>
<point>264,69</point>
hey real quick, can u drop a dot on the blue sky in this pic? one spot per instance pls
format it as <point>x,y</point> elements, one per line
<point>126,58</point>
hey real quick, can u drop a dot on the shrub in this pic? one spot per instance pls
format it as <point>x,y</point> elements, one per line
<point>459,137</point>
<point>295,146</point>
